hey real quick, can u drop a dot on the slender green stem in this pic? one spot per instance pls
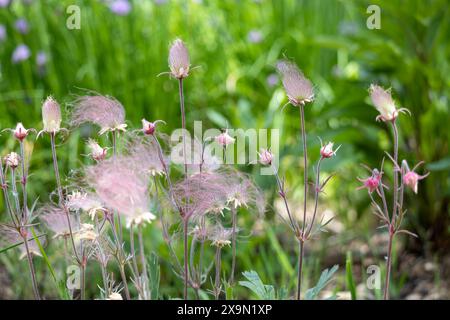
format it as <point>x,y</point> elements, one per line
<point>142,256</point>
<point>183,120</point>
<point>83,279</point>
<point>218,263</point>
<point>8,206</point>
<point>32,271</point>
<point>395,191</point>
<point>185,247</point>
<point>117,216</point>
<point>300,267</point>
<point>388,266</point>
<point>316,198</point>
<point>233,244</point>
<point>24,179</point>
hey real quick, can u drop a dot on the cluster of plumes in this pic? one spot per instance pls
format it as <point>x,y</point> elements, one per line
<point>121,188</point>
<point>299,89</point>
<point>214,192</point>
<point>106,112</point>
<point>10,236</point>
<point>220,236</point>
<point>383,102</point>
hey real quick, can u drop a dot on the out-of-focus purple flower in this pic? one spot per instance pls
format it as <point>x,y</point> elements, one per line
<point>158,2</point>
<point>272,80</point>
<point>21,26</point>
<point>21,53</point>
<point>120,7</point>
<point>2,32</point>
<point>4,3</point>
<point>255,36</point>
<point>41,59</point>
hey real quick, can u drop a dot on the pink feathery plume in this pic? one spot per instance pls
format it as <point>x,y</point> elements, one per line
<point>121,188</point>
<point>220,236</point>
<point>55,219</point>
<point>145,155</point>
<point>10,236</point>
<point>106,112</point>
<point>298,88</point>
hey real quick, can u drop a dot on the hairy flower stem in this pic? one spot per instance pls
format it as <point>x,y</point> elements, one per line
<point>233,244</point>
<point>60,193</point>
<point>301,244</point>
<point>31,267</point>
<point>121,259</point>
<point>218,262</point>
<point>185,247</point>
<point>394,213</point>
<point>316,198</point>
<point>142,256</point>
<point>83,278</point>
<point>14,190</point>
<point>183,121</point>
<point>24,180</point>
<point>119,220</point>
<point>305,161</point>
<point>4,187</point>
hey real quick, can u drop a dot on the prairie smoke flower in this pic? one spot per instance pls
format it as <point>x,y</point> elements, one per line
<point>242,192</point>
<point>383,102</point>
<point>371,183</point>
<point>120,7</point>
<point>149,127</point>
<point>121,188</point>
<point>265,157</point>
<point>9,236</point>
<point>106,112</point>
<point>97,153</point>
<point>144,156</point>
<point>220,236</point>
<point>326,151</point>
<point>12,160</point>
<point>299,89</point>
<point>85,202</point>
<point>2,32</point>
<point>20,132</point>
<point>55,219</point>
<point>115,296</point>
<point>21,53</point>
<point>179,60</point>
<point>21,26</point>
<point>224,139</point>
<point>86,232</point>
<point>411,178</point>
<point>51,116</point>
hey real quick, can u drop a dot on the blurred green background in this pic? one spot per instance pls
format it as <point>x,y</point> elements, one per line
<point>236,45</point>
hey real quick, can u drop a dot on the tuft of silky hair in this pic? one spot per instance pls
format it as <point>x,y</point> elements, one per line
<point>299,89</point>
<point>104,111</point>
<point>10,236</point>
<point>121,188</point>
<point>55,219</point>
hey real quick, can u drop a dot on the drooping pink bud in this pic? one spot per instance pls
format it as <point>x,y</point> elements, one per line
<point>265,157</point>
<point>20,132</point>
<point>411,178</point>
<point>12,160</point>
<point>179,59</point>
<point>326,151</point>
<point>371,183</point>
<point>148,127</point>
<point>224,139</point>
<point>97,153</point>
<point>51,115</point>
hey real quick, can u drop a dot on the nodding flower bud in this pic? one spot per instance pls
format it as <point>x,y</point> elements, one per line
<point>371,183</point>
<point>97,153</point>
<point>179,60</point>
<point>411,178</point>
<point>299,89</point>
<point>20,132</point>
<point>265,157</point>
<point>115,296</point>
<point>12,160</point>
<point>51,115</point>
<point>224,139</point>
<point>383,102</point>
<point>148,127</point>
<point>326,151</point>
